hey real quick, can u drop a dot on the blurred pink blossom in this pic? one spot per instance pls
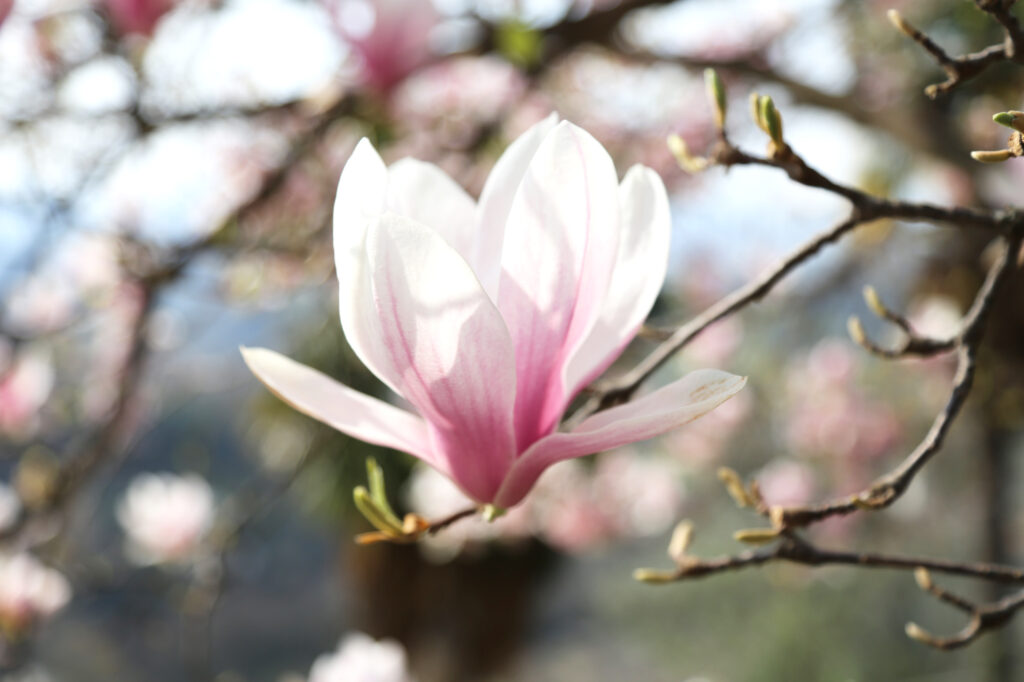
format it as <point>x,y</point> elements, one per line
<point>165,517</point>
<point>786,482</point>
<point>455,98</point>
<point>26,382</point>
<point>490,317</point>
<point>706,440</point>
<point>716,345</point>
<point>828,414</point>
<point>5,8</point>
<point>29,591</point>
<point>360,658</point>
<point>573,508</point>
<point>389,38</point>
<point>137,17</point>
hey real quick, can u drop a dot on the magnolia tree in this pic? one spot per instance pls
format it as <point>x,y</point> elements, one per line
<point>566,339</point>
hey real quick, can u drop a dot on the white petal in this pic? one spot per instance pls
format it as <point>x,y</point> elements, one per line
<point>680,402</point>
<point>448,341</point>
<point>425,193</point>
<point>361,195</point>
<point>339,406</point>
<point>496,201</point>
<point>559,255</point>
<point>645,227</point>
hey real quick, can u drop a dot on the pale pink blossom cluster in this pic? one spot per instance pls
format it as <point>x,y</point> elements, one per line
<point>828,414</point>
<point>137,17</point>
<point>632,107</point>
<point>360,658</point>
<point>166,517</point>
<point>452,99</point>
<point>26,381</point>
<point>389,39</point>
<point>786,481</point>
<point>574,507</point>
<point>707,439</point>
<point>29,591</point>
<point>81,271</point>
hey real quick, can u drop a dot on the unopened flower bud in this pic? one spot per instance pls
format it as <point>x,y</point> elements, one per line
<point>716,91</point>
<point>915,631</point>
<point>874,302</point>
<point>772,119</point>
<point>681,537</point>
<point>687,161</point>
<point>756,536</point>
<point>997,156</point>
<point>734,486</point>
<point>856,330</point>
<point>653,577</point>
<point>1011,119</point>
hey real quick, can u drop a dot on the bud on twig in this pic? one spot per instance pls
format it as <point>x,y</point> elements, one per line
<point>680,542</point>
<point>874,302</point>
<point>757,536</point>
<point>734,486</point>
<point>654,577</point>
<point>992,156</point>
<point>900,23</point>
<point>923,578</point>
<point>916,632</point>
<point>716,92</point>
<point>687,161</point>
<point>1011,119</point>
<point>856,330</point>
<point>772,120</point>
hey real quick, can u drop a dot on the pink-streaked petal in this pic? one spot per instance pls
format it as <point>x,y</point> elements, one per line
<point>645,227</point>
<point>450,345</point>
<point>496,201</point>
<point>557,262</point>
<point>340,407</point>
<point>361,199</point>
<point>680,402</point>
<point>425,193</point>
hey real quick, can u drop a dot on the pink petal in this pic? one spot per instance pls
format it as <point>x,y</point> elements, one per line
<point>680,402</point>
<point>496,201</point>
<point>645,226</point>
<point>423,192</point>
<point>340,407</point>
<point>361,195</point>
<point>559,254</point>
<point>451,347</point>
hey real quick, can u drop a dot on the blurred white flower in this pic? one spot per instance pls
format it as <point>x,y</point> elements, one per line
<point>360,658</point>
<point>165,516</point>
<point>29,591</point>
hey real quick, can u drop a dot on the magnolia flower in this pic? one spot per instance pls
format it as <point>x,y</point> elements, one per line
<point>5,8</point>
<point>489,317</point>
<point>165,516</point>
<point>360,658</point>
<point>29,591</point>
